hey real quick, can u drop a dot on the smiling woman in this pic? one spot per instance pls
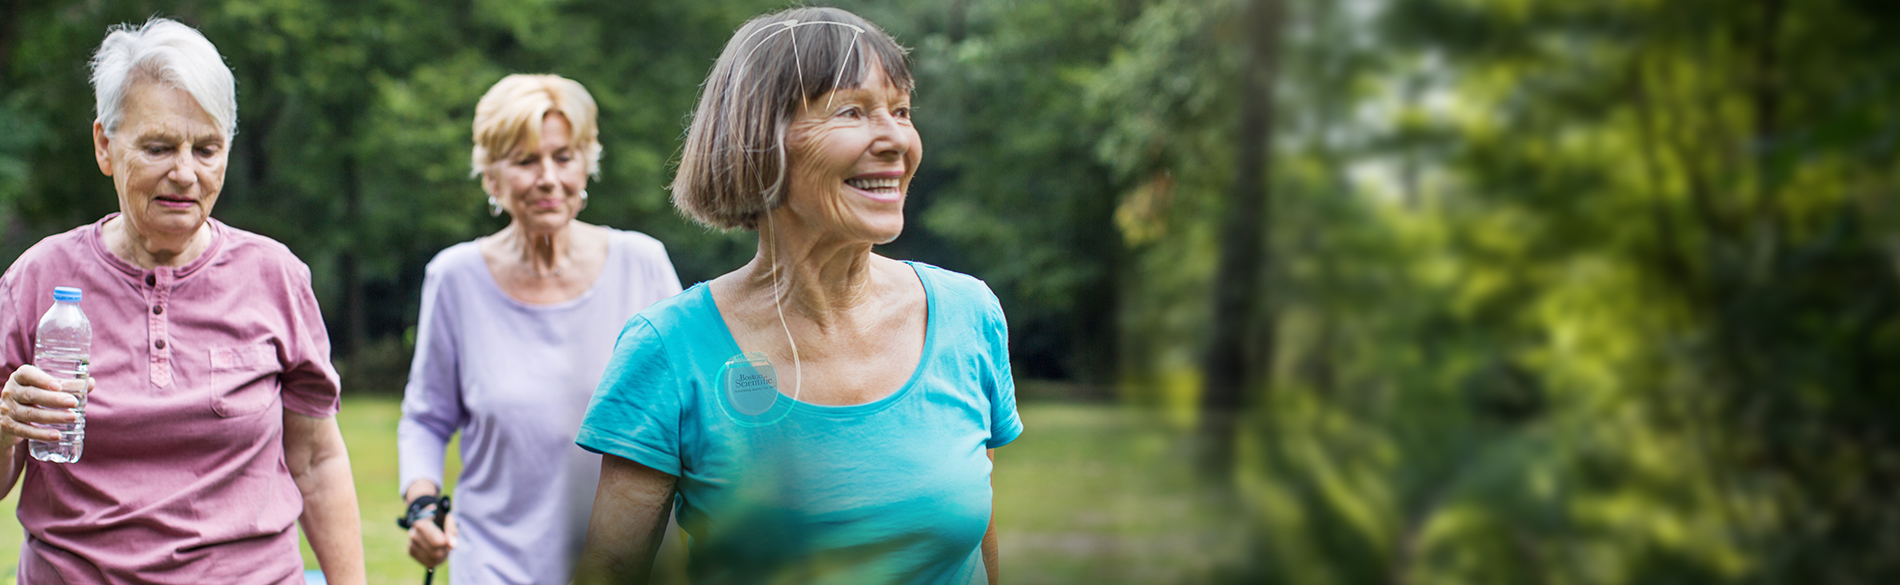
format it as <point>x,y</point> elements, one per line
<point>822,414</point>
<point>210,430</point>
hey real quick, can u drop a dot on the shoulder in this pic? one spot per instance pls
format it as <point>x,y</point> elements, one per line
<point>455,259</point>
<point>53,256</point>
<point>952,289</point>
<point>57,248</point>
<point>692,312</point>
<point>630,239</point>
<point>246,247</point>
<point>635,247</point>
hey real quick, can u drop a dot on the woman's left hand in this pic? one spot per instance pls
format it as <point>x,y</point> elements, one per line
<point>430,545</point>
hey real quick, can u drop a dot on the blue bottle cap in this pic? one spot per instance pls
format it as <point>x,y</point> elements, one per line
<point>67,294</point>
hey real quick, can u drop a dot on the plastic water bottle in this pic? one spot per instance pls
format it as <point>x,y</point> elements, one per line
<point>63,348</point>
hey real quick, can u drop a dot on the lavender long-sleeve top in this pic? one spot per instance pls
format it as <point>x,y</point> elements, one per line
<point>515,378</point>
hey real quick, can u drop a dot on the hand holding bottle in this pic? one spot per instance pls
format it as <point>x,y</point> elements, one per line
<point>31,398</point>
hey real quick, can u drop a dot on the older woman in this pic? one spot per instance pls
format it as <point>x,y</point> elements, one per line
<point>823,413</point>
<point>210,431</point>
<point>515,330</point>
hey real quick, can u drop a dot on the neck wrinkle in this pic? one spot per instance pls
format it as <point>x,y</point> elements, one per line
<point>541,254</point>
<point>147,253</point>
<point>819,280</point>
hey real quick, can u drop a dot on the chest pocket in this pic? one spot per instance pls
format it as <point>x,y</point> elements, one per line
<point>243,378</point>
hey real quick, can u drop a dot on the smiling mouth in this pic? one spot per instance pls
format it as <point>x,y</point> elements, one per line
<point>875,186</point>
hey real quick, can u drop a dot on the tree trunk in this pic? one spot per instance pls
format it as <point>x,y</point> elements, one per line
<point>1235,363</point>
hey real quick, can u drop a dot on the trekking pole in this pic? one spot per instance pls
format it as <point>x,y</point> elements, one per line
<point>441,522</point>
<point>441,514</point>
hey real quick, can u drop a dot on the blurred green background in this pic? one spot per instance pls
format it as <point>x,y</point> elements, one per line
<point>1300,291</point>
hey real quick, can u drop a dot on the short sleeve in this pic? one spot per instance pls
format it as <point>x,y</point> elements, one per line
<point>1005,424</point>
<point>311,386</point>
<point>635,412</point>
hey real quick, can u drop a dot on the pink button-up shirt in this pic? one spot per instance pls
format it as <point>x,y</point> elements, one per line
<point>183,477</point>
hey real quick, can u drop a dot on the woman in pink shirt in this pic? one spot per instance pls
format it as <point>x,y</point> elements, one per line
<point>210,428</point>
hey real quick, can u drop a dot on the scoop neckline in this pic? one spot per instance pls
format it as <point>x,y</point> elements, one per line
<point>863,408</point>
<point>494,284</point>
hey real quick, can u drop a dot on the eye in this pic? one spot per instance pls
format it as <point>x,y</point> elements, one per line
<point>563,157</point>
<point>157,150</point>
<point>207,151</point>
<point>525,161</point>
<point>901,112</point>
<point>851,113</point>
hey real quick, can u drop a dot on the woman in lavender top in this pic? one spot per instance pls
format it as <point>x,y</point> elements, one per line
<point>515,330</point>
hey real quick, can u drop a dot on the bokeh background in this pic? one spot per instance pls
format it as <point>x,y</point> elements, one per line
<point>1300,291</point>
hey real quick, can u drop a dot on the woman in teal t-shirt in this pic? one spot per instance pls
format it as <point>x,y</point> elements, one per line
<point>821,414</point>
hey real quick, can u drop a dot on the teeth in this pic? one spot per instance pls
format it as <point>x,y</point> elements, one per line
<point>872,184</point>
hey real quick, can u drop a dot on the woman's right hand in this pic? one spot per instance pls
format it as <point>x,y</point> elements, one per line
<point>430,545</point>
<point>34,397</point>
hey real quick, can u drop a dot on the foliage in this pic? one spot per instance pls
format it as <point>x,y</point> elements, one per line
<point>1565,291</point>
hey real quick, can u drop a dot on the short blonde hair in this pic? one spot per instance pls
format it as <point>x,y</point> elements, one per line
<point>733,166</point>
<point>509,117</point>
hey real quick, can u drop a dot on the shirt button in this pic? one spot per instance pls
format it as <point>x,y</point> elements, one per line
<point>157,310</point>
<point>151,280</point>
<point>161,344</point>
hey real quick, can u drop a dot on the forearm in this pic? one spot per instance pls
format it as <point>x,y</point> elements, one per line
<point>13,460</point>
<point>320,465</point>
<point>989,553</point>
<point>991,566</point>
<point>421,455</point>
<point>331,523</point>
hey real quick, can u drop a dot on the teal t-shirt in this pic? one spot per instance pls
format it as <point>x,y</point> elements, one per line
<point>891,491</point>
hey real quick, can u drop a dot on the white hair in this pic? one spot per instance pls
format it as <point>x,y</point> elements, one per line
<point>166,51</point>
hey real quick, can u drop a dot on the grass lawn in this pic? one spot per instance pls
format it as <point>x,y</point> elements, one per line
<point>1091,493</point>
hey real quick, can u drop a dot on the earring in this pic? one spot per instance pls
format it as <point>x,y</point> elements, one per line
<point>583,195</point>
<point>494,207</point>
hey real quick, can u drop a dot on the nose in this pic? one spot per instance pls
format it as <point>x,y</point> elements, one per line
<point>548,176</point>
<point>886,136</point>
<point>184,168</point>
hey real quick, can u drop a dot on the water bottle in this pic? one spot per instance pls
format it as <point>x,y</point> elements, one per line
<point>63,348</point>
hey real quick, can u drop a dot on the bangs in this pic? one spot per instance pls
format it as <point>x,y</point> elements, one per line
<point>802,60</point>
<point>733,163</point>
<point>508,119</point>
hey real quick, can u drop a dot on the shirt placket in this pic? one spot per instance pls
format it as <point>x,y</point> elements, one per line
<point>158,293</point>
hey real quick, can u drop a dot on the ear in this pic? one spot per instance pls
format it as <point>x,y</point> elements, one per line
<point>488,183</point>
<point>102,147</point>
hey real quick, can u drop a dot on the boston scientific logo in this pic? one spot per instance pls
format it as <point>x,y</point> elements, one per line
<point>751,395</point>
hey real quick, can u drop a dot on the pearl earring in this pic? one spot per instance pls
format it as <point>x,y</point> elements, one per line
<point>583,195</point>
<point>494,207</point>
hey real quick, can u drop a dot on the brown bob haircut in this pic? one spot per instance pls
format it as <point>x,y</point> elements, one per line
<point>734,165</point>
